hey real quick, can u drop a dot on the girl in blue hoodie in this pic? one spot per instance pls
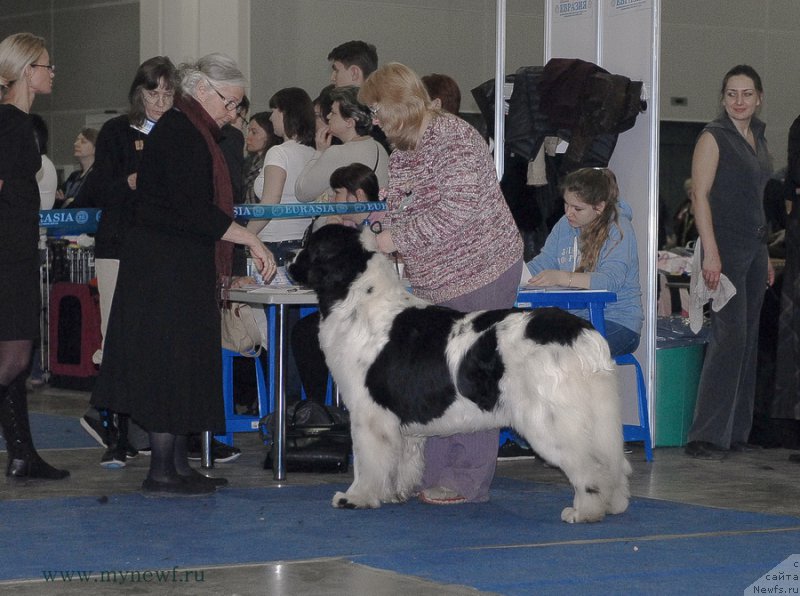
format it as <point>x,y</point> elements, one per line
<point>593,246</point>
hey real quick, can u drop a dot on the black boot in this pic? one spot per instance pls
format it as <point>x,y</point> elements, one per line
<point>23,460</point>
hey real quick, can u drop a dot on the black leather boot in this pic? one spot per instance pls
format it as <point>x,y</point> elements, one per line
<point>23,460</point>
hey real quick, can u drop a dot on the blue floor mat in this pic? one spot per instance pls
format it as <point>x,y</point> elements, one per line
<point>515,544</point>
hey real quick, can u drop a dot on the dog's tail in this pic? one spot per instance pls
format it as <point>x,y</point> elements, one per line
<point>593,352</point>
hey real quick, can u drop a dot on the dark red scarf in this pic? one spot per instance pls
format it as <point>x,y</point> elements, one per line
<point>223,190</point>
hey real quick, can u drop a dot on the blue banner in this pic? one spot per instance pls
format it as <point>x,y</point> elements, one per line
<point>78,221</point>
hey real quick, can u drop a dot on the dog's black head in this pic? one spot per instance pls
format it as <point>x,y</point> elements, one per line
<point>334,257</point>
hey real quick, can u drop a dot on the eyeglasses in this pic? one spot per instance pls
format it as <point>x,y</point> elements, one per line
<point>230,104</point>
<point>154,97</point>
<point>50,67</point>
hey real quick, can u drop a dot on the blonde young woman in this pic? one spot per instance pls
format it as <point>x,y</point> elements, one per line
<point>593,246</point>
<point>25,71</point>
<point>450,223</point>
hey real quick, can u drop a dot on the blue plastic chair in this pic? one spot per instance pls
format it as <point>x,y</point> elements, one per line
<point>242,423</point>
<point>632,432</point>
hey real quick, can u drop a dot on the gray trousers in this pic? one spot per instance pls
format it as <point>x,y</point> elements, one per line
<point>466,463</point>
<point>726,394</point>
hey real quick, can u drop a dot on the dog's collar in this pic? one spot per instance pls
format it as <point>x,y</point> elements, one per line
<point>375,226</point>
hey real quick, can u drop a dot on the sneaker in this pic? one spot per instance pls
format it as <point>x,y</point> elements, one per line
<point>113,459</point>
<point>511,450</point>
<point>95,429</point>
<point>129,450</point>
<point>220,452</point>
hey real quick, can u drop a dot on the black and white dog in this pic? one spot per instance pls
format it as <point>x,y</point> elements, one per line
<point>408,370</point>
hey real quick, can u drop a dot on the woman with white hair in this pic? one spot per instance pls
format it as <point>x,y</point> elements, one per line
<point>25,71</point>
<point>161,359</point>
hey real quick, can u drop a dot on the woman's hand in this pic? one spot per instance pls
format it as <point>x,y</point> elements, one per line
<point>132,181</point>
<point>242,281</point>
<point>712,268</point>
<point>323,138</point>
<point>263,259</point>
<point>770,273</point>
<point>385,242</point>
<point>550,277</point>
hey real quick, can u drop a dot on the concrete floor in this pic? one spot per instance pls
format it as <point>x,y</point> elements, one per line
<point>763,481</point>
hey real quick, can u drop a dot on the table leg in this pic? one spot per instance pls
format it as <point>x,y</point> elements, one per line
<point>597,317</point>
<point>277,371</point>
<point>206,462</point>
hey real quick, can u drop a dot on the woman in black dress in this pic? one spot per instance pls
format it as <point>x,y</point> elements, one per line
<point>25,70</point>
<point>120,146</point>
<point>162,357</point>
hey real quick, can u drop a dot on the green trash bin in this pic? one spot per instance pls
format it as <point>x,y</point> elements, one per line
<point>677,377</point>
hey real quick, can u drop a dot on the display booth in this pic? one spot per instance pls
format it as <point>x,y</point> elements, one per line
<point>623,37</point>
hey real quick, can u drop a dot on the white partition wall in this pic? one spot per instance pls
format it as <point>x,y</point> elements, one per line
<point>188,29</point>
<point>623,37</point>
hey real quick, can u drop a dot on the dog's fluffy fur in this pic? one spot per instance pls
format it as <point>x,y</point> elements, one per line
<point>408,370</point>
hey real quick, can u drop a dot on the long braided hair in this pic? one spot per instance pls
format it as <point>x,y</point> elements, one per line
<point>593,186</point>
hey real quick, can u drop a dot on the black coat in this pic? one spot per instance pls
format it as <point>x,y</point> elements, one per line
<point>161,359</point>
<point>118,153</point>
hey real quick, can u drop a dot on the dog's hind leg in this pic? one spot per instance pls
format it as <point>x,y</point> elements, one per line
<point>565,438</point>
<point>377,447</point>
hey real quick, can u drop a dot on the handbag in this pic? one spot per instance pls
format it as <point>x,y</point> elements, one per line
<point>242,329</point>
<point>317,438</point>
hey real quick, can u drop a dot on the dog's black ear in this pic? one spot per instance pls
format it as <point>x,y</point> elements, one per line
<point>336,257</point>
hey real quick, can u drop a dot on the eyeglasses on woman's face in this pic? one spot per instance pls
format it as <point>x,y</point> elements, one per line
<point>230,104</point>
<point>154,97</point>
<point>50,67</point>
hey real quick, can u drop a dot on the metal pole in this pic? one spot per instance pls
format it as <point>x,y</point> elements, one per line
<point>499,89</point>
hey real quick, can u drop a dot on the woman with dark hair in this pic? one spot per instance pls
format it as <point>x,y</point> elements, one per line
<point>162,359</point>
<point>444,92</point>
<point>120,146</point>
<point>292,119</point>
<point>350,122</point>
<point>730,169</point>
<point>260,138</point>
<point>25,72</point>
<point>84,149</point>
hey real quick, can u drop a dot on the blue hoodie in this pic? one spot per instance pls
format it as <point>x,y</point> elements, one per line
<point>617,270</point>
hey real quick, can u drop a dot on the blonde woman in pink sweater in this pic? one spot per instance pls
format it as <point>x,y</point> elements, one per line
<point>449,221</point>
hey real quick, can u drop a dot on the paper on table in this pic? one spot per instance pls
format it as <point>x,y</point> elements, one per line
<point>277,289</point>
<point>529,288</point>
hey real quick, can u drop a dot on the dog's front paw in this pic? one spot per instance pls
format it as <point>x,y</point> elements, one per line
<point>573,516</point>
<point>569,515</point>
<point>343,501</point>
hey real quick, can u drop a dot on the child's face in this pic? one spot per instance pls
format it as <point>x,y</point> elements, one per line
<point>342,195</point>
<point>579,213</point>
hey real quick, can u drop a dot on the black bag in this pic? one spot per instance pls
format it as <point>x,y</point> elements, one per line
<point>317,438</point>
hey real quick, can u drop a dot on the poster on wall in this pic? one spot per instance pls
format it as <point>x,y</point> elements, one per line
<point>571,30</point>
<point>617,7</point>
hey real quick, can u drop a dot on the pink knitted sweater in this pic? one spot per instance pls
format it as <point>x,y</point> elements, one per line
<point>448,217</point>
